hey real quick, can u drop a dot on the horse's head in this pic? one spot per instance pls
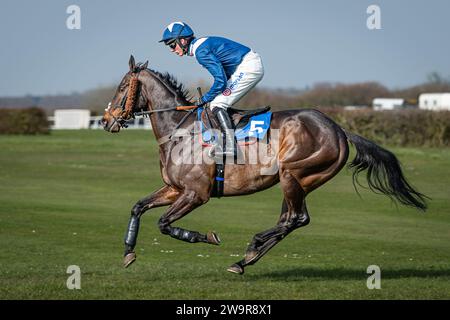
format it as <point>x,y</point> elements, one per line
<point>127,99</point>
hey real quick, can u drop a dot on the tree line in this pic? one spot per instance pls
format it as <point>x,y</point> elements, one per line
<point>320,95</point>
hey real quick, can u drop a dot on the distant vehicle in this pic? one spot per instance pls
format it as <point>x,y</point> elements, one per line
<point>388,104</point>
<point>434,101</point>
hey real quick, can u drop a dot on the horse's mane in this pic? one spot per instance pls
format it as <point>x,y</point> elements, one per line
<point>178,88</point>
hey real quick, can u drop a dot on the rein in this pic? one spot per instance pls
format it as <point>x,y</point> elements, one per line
<point>179,108</point>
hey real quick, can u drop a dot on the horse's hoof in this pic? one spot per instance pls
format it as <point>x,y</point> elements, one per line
<point>129,259</point>
<point>235,268</point>
<point>213,238</point>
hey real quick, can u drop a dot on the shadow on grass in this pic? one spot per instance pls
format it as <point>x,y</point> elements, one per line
<point>299,274</point>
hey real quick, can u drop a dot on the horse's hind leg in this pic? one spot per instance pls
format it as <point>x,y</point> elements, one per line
<point>294,214</point>
<point>163,197</point>
<point>185,204</point>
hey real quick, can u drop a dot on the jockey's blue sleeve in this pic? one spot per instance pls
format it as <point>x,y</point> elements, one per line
<point>214,66</point>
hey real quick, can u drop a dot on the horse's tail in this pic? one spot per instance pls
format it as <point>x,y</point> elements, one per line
<point>384,174</point>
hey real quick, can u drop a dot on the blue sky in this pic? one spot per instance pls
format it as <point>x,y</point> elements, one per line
<point>301,42</point>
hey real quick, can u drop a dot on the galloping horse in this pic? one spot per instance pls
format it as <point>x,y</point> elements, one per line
<point>312,149</point>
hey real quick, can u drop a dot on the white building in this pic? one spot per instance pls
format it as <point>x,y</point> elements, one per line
<point>434,101</point>
<point>72,119</point>
<point>388,104</point>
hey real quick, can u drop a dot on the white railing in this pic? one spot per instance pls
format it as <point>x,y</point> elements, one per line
<point>138,123</point>
<point>94,123</point>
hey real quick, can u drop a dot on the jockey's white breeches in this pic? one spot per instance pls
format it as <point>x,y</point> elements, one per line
<point>246,76</point>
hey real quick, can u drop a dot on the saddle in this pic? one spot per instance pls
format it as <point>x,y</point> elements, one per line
<point>241,117</point>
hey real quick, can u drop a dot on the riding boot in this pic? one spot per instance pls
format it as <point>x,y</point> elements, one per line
<point>226,126</point>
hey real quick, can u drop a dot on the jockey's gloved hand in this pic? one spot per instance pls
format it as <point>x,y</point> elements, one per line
<point>201,103</point>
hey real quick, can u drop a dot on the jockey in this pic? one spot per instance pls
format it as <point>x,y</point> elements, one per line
<point>236,69</point>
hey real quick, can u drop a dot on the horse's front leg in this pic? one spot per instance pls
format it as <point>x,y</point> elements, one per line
<point>187,202</point>
<point>163,197</point>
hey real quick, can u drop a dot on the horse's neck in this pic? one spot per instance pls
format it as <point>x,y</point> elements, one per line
<point>160,96</point>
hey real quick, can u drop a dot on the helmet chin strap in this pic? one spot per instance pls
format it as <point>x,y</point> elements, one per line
<point>185,48</point>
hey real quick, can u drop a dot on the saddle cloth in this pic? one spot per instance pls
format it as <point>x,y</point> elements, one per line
<point>250,124</point>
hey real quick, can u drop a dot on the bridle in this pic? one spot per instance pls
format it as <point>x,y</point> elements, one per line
<point>127,103</point>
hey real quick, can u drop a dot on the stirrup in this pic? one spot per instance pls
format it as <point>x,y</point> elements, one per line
<point>227,153</point>
<point>217,152</point>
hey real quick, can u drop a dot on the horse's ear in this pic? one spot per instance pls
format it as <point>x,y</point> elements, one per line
<point>131,63</point>
<point>145,65</point>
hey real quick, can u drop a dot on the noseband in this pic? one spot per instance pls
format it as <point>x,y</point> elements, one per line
<point>127,103</point>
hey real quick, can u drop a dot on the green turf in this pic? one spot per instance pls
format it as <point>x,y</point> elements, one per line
<point>65,199</point>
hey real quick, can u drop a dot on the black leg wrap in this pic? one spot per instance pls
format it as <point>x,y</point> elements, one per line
<point>186,235</point>
<point>131,235</point>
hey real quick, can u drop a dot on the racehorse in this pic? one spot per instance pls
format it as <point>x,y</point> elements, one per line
<point>312,149</point>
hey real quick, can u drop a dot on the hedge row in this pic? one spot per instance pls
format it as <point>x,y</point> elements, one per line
<point>412,128</point>
<point>23,121</point>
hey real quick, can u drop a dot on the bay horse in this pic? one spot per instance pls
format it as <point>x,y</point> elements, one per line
<point>312,149</point>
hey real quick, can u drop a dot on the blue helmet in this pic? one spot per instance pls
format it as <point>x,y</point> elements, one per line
<point>177,30</point>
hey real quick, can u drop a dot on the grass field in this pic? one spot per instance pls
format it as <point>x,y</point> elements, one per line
<point>65,199</point>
